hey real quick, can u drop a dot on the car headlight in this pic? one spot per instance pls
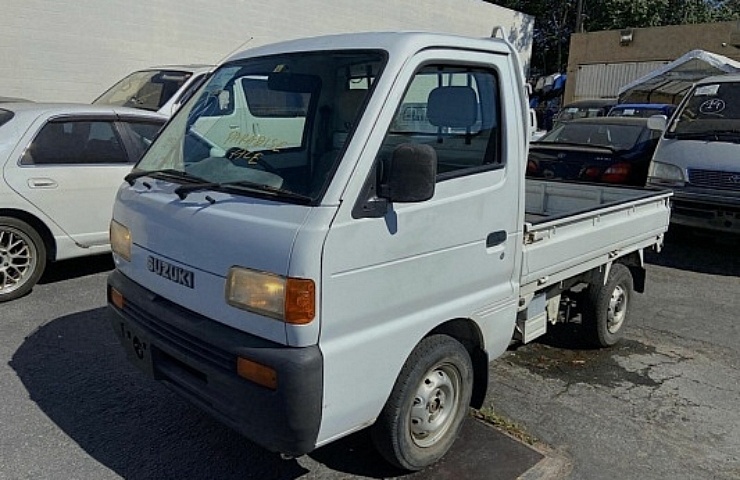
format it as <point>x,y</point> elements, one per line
<point>665,174</point>
<point>291,300</point>
<point>120,240</point>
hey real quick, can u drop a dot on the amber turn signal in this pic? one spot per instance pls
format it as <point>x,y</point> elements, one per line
<point>257,373</point>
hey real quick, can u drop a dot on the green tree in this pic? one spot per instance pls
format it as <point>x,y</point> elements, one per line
<point>555,21</point>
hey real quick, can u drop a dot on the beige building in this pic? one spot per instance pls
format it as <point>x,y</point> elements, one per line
<point>73,50</point>
<point>600,63</point>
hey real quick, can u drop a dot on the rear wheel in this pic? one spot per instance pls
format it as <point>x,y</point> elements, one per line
<point>427,406</point>
<point>607,307</point>
<point>22,258</point>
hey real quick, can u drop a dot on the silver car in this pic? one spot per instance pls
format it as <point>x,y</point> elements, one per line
<point>61,167</point>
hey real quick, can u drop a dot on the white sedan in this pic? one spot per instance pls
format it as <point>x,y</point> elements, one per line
<point>61,167</point>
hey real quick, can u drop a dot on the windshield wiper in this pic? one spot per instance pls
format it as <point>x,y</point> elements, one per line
<point>703,135</point>
<point>725,131</point>
<point>184,190</point>
<point>172,172</point>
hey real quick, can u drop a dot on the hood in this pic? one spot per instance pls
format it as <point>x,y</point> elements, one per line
<point>188,231</point>
<point>699,154</point>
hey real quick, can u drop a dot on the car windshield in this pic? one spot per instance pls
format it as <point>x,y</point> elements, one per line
<point>710,110</point>
<point>274,124</point>
<point>642,112</point>
<point>5,116</point>
<point>147,89</point>
<point>616,136</point>
<point>572,113</point>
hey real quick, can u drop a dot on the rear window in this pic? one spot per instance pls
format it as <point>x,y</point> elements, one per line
<point>5,116</point>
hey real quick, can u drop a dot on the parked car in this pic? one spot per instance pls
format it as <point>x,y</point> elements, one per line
<point>642,110</point>
<point>698,157</point>
<point>602,150</point>
<point>61,166</point>
<point>157,89</point>
<point>12,100</point>
<point>584,109</point>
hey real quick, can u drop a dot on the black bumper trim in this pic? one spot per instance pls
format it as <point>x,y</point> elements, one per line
<point>196,357</point>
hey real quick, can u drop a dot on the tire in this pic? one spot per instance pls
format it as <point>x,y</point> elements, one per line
<point>425,411</point>
<point>22,258</point>
<point>607,308</point>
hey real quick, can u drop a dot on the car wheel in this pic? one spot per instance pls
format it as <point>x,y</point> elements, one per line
<point>425,411</point>
<point>607,307</point>
<point>22,258</point>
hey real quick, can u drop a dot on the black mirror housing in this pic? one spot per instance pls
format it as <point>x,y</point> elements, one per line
<point>410,174</point>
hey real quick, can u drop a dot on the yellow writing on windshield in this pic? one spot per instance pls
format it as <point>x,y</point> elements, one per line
<point>254,140</point>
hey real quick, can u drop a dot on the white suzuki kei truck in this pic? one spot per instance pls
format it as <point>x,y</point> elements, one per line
<point>361,263</point>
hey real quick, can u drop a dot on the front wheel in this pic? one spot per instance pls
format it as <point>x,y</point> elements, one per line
<point>22,258</point>
<point>429,401</point>
<point>607,307</point>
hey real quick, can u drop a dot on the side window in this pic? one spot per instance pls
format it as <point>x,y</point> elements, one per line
<point>141,135</point>
<point>455,110</point>
<point>75,142</point>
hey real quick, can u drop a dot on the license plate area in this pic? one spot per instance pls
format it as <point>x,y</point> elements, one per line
<point>138,347</point>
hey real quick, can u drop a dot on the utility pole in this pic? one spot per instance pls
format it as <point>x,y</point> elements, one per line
<point>579,16</point>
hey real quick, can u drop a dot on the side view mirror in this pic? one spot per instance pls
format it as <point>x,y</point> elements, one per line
<point>657,122</point>
<point>410,174</point>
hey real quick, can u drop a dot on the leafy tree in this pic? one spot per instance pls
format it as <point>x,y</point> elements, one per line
<point>556,20</point>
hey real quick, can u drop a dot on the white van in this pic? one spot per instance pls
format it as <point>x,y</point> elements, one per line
<point>699,156</point>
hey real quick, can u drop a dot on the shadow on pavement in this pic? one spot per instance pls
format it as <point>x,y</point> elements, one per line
<point>76,372</point>
<point>76,267</point>
<point>701,252</point>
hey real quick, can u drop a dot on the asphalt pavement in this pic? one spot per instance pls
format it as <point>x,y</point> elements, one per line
<point>663,404</point>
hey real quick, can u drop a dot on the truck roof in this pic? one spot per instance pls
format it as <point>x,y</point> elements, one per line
<point>391,41</point>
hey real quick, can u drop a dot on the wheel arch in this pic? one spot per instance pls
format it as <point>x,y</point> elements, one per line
<point>41,228</point>
<point>469,335</point>
<point>636,265</point>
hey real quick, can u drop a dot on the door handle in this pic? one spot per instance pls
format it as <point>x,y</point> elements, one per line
<point>495,238</point>
<point>42,183</point>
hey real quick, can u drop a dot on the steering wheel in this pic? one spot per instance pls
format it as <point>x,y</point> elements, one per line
<point>239,155</point>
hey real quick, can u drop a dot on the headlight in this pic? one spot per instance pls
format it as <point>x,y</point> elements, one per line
<point>291,300</point>
<point>665,174</point>
<point>120,240</point>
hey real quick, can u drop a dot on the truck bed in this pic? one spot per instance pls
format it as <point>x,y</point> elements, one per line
<point>571,228</point>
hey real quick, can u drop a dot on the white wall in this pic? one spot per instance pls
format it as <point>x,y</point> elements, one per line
<point>72,50</point>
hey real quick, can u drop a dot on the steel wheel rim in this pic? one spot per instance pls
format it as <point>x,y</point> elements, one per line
<point>17,259</point>
<point>617,309</point>
<point>434,405</point>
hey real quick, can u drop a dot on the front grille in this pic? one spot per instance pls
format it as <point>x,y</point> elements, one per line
<point>179,340</point>
<point>715,179</point>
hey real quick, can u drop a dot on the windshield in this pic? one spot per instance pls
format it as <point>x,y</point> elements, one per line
<point>618,137</point>
<point>642,112</point>
<point>276,124</point>
<point>5,116</point>
<point>147,89</point>
<point>710,110</point>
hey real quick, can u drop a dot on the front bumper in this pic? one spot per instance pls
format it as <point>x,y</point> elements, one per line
<point>705,212</point>
<point>197,357</point>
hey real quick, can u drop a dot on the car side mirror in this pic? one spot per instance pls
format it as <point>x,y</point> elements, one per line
<point>657,122</point>
<point>410,174</point>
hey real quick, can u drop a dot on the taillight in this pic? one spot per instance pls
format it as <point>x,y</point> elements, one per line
<point>531,168</point>
<point>617,173</point>
<point>591,173</point>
